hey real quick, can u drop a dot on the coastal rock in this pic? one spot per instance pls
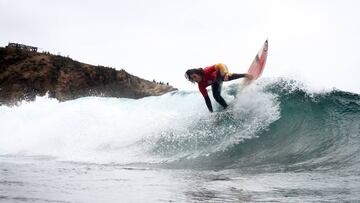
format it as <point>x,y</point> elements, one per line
<point>25,75</point>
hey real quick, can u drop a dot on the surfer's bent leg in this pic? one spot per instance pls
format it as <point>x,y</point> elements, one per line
<point>234,76</point>
<point>216,90</point>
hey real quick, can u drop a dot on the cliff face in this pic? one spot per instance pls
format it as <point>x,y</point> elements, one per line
<point>25,74</point>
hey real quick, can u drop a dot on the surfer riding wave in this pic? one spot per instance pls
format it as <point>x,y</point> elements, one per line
<point>213,75</point>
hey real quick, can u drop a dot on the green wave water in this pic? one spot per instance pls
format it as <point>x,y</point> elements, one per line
<point>313,131</point>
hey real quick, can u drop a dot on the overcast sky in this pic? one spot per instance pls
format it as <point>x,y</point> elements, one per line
<point>316,41</point>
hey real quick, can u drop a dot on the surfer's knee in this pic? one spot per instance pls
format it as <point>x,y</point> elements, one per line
<point>217,96</point>
<point>217,93</point>
<point>220,100</point>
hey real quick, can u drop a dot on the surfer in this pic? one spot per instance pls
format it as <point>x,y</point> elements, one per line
<point>213,75</point>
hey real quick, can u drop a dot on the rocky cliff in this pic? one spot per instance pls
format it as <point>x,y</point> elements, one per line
<point>25,74</point>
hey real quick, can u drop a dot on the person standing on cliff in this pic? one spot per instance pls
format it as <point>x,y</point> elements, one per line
<point>213,75</point>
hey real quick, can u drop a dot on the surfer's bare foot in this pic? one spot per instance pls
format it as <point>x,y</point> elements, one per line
<point>249,77</point>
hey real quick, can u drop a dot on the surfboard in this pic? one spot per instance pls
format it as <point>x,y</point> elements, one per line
<point>257,66</point>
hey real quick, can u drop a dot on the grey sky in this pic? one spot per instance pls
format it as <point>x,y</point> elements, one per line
<point>314,40</point>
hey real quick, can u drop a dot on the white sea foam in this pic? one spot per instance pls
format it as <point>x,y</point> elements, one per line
<point>111,129</point>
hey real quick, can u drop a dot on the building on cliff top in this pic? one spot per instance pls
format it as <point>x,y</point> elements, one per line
<point>21,46</point>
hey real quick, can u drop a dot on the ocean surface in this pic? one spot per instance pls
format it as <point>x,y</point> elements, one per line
<point>279,141</point>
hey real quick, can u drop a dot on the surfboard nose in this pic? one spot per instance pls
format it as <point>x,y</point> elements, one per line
<point>266,45</point>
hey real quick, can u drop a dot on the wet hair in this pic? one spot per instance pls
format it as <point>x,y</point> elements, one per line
<point>189,72</point>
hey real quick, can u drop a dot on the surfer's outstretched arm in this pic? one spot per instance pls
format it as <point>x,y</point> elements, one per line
<point>208,103</point>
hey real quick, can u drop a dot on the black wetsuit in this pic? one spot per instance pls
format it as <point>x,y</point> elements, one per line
<point>216,90</point>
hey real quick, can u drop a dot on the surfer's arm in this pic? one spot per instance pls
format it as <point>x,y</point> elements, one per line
<point>203,91</point>
<point>208,103</point>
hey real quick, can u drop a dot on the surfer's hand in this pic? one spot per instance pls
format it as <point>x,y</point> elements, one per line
<point>226,77</point>
<point>249,77</point>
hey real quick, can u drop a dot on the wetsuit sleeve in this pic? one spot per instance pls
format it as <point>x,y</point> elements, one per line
<point>208,103</point>
<point>203,91</point>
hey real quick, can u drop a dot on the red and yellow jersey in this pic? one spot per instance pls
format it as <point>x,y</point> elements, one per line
<point>210,75</point>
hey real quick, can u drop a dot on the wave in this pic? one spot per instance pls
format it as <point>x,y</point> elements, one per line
<point>315,131</point>
<point>273,124</point>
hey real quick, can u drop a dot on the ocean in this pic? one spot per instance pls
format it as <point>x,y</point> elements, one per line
<point>278,141</point>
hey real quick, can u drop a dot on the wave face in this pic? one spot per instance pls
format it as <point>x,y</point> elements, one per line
<point>272,125</point>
